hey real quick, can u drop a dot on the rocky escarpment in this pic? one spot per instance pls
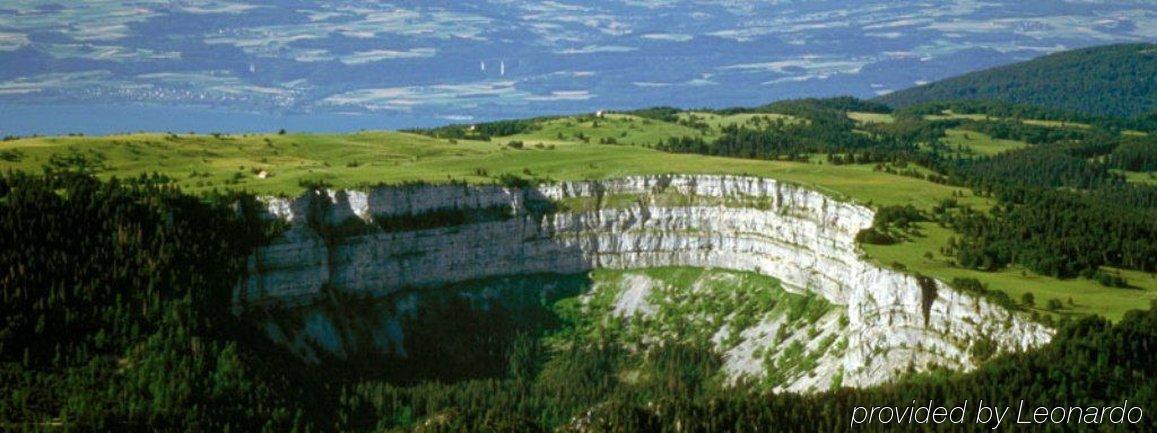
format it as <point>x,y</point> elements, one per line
<point>390,239</point>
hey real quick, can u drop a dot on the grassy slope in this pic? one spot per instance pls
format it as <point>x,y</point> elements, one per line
<point>623,128</point>
<point>871,117</point>
<point>388,157</point>
<point>1139,177</point>
<point>716,121</point>
<point>981,144</point>
<point>1088,296</point>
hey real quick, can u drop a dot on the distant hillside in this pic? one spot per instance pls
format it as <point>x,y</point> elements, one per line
<point>1111,80</point>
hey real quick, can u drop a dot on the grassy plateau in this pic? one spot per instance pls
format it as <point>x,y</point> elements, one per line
<point>560,149</point>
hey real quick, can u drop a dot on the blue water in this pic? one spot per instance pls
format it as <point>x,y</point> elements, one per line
<point>123,65</point>
<point>25,120</point>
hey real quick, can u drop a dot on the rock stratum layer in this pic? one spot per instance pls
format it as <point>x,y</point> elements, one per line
<point>390,239</point>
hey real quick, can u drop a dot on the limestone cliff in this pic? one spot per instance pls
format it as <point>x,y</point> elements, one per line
<point>393,238</point>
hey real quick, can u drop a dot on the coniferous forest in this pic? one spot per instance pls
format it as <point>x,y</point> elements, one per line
<point>1110,81</point>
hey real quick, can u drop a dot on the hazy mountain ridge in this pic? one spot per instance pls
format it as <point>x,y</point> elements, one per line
<point>1113,80</point>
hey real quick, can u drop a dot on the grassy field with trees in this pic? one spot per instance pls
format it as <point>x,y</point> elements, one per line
<point>874,157</point>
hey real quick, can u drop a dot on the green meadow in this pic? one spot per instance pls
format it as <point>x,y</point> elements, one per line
<point>718,121</point>
<point>871,117</point>
<point>613,128</point>
<point>1139,177</point>
<point>921,253</point>
<point>281,164</point>
<point>980,144</point>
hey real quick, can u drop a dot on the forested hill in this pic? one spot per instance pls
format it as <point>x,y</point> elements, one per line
<point>1111,80</point>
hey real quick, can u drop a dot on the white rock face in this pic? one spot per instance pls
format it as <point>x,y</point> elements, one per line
<point>801,237</point>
